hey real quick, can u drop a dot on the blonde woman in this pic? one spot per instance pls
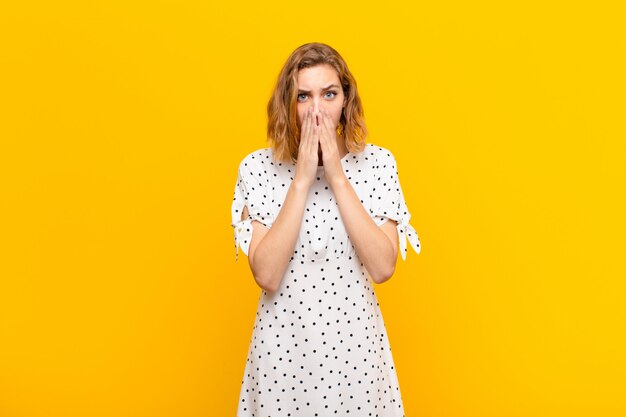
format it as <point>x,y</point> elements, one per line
<point>320,214</point>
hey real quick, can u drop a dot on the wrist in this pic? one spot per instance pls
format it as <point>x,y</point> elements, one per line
<point>338,183</point>
<point>301,185</point>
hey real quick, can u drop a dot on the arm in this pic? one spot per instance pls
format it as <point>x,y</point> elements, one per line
<point>377,247</point>
<point>271,249</point>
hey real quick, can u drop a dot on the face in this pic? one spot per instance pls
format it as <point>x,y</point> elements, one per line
<point>319,88</point>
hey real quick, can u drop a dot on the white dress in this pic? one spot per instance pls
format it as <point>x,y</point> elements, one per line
<point>319,346</point>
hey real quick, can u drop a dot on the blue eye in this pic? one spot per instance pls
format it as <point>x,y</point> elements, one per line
<point>334,93</point>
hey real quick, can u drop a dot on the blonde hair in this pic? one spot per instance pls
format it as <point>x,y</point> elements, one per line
<point>282,126</point>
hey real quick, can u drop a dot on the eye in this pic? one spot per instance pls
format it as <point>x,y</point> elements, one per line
<point>334,93</point>
<point>300,95</point>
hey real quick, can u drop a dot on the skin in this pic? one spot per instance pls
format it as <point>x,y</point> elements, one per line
<point>270,250</point>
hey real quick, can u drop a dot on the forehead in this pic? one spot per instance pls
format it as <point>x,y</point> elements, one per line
<point>318,76</point>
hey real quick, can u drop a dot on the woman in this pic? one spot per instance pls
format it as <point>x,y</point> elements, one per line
<point>318,214</point>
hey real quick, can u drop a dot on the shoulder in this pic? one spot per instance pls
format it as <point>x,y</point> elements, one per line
<point>256,160</point>
<point>381,155</point>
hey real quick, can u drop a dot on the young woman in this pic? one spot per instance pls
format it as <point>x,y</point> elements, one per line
<point>319,213</point>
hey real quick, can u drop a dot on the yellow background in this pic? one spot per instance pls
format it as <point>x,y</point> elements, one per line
<point>122,125</point>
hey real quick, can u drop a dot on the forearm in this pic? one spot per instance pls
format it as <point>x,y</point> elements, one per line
<point>274,251</point>
<point>371,244</point>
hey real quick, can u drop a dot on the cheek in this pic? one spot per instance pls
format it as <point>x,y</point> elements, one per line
<point>337,115</point>
<point>299,117</point>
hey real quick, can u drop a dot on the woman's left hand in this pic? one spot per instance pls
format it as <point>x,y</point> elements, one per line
<point>333,170</point>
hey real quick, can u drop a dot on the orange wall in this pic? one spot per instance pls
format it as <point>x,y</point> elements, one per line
<point>121,129</point>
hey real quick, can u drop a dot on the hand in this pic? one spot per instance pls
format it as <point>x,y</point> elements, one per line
<point>306,165</point>
<point>333,169</point>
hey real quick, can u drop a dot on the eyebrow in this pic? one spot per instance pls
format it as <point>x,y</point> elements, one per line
<point>323,89</point>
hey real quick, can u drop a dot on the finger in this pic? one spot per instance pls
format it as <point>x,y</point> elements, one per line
<point>321,139</point>
<point>307,118</point>
<point>317,130</point>
<point>306,130</point>
<point>329,125</point>
<point>321,131</point>
<point>312,141</point>
<point>332,130</point>
<point>327,121</point>
<point>315,117</point>
<point>325,135</point>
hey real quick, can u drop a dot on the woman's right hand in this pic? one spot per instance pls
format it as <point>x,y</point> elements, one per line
<point>306,165</point>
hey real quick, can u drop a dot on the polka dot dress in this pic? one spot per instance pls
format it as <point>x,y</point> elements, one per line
<point>319,345</point>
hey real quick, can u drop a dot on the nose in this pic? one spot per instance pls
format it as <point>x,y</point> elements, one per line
<point>317,105</point>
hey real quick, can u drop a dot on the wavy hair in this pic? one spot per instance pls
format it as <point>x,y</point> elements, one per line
<point>282,127</point>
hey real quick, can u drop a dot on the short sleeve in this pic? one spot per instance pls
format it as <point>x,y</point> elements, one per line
<point>388,202</point>
<point>254,191</point>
